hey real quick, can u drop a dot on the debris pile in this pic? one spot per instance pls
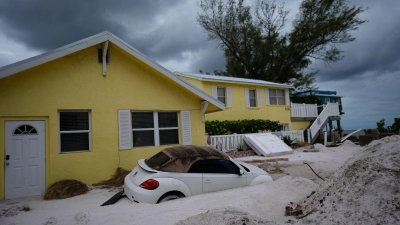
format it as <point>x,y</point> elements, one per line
<point>290,210</point>
<point>225,216</point>
<point>365,190</point>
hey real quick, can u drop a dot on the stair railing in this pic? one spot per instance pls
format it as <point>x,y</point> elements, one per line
<point>331,109</point>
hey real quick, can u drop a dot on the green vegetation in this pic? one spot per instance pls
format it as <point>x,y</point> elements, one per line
<point>257,46</point>
<point>240,148</point>
<point>309,99</point>
<point>288,140</point>
<point>395,128</point>
<point>216,127</point>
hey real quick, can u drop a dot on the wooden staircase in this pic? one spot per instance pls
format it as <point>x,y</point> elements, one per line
<point>329,113</point>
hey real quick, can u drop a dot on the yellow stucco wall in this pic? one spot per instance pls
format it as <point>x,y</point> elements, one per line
<point>75,82</point>
<point>238,111</point>
<point>300,125</point>
<point>197,83</point>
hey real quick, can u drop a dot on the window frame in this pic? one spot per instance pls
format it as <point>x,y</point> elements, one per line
<point>284,126</point>
<point>225,95</point>
<point>75,131</point>
<point>255,98</point>
<point>156,129</point>
<point>276,97</point>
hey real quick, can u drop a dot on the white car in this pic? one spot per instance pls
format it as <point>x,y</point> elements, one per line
<point>182,171</point>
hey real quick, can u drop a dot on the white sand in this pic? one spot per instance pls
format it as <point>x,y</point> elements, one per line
<point>260,204</point>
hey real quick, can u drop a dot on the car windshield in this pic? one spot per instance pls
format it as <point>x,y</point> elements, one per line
<point>155,162</point>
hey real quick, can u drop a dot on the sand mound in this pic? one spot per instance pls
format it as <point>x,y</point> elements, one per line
<point>320,147</point>
<point>365,190</point>
<point>228,217</point>
<point>348,143</point>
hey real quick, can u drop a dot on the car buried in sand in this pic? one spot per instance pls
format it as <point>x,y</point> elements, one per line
<point>182,171</point>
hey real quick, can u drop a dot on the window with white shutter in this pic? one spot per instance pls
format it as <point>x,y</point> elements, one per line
<point>267,96</point>
<point>186,128</point>
<point>214,91</point>
<point>139,129</point>
<point>229,96</point>
<point>246,96</point>
<point>124,127</point>
<point>259,98</point>
<point>223,94</point>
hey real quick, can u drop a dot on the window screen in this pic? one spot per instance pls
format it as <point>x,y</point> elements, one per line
<point>221,94</point>
<point>154,128</point>
<point>252,98</point>
<point>74,131</point>
<point>276,97</point>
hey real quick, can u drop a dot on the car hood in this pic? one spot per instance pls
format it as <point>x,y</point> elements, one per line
<point>253,169</point>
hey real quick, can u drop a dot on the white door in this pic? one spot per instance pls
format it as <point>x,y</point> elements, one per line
<point>24,159</point>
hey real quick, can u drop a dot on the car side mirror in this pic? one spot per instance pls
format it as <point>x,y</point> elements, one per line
<point>241,172</point>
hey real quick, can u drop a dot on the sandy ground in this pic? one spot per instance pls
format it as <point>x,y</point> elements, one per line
<point>259,204</point>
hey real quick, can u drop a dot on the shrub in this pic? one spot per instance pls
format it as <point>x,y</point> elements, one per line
<point>288,140</point>
<point>240,148</point>
<point>391,129</point>
<point>216,127</point>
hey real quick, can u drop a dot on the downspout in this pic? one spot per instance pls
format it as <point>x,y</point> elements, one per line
<point>105,49</point>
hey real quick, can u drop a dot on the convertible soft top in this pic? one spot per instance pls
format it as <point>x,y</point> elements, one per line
<point>180,158</point>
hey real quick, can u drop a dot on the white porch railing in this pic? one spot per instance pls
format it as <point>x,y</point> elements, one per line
<point>303,110</point>
<point>232,141</point>
<point>331,109</point>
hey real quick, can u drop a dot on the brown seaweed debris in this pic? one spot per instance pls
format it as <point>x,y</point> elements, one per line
<point>65,189</point>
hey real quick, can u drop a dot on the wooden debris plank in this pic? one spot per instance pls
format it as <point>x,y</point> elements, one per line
<point>266,160</point>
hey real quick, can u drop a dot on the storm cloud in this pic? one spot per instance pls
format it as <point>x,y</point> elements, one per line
<point>167,31</point>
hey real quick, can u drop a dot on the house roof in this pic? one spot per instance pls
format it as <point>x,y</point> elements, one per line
<point>97,39</point>
<point>237,80</point>
<point>317,93</point>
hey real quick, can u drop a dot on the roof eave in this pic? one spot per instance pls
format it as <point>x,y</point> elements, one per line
<point>235,82</point>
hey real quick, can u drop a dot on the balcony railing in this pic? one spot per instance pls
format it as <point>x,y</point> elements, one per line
<point>302,110</point>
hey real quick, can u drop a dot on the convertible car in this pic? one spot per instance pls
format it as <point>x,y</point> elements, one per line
<point>182,171</point>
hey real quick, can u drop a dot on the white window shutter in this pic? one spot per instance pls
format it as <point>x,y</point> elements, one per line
<point>267,96</point>
<point>186,128</point>
<point>287,99</point>
<point>246,96</point>
<point>229,96</point>
<point>259,98</point>
<point>124,126</point>
<point>214,92</point>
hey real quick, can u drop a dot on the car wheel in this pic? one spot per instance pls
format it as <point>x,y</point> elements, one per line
<point>169,197</point>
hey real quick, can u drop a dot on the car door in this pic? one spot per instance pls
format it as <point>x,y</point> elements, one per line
<point>218,174</point>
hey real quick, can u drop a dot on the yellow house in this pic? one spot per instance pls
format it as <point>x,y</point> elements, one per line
<point>85,109</point>
<point>246,98</point>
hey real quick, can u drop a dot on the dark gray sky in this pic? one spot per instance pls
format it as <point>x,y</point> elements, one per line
<point>167,32</point>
